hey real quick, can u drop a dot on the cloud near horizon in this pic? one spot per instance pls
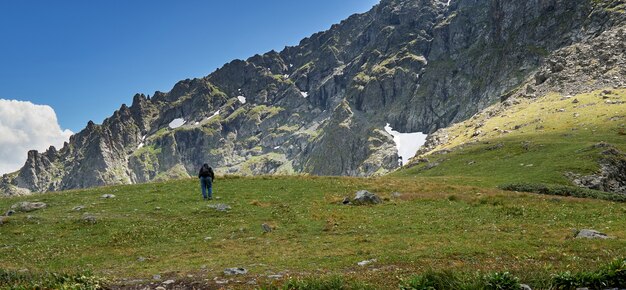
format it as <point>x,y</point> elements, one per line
<point>26,126</point>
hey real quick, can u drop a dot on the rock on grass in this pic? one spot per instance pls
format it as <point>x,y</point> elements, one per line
<point>26,206</point>
<point>364,197</point>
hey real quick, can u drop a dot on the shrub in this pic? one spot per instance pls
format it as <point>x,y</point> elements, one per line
<point>501,281</point>
<point>564,190</point>
<point>611,275</point>
<point>16,280</point>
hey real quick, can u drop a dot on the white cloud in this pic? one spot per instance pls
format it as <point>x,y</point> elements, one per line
<point>25,126</point>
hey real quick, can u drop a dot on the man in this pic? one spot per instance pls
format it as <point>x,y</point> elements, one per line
<point>206,176</point>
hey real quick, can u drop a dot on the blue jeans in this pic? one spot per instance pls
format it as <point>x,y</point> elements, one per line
<point>206,184</point>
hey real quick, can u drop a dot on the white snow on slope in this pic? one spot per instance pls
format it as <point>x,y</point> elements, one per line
<point>215,114</point>
<point>407,143</point>
<point>304,94</point>
<point>177,123</point>
<point>241,99</point>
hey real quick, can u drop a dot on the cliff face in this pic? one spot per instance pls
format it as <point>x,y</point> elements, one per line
<point>320,107</point>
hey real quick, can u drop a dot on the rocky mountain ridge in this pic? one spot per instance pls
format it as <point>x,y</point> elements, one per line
<point>320,107</point>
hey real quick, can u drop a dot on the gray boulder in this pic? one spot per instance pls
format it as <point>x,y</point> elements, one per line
<point>89,219</point>
<point>3,220</point>
<point>266,228</point>
<point>591,234</point>
<point>235,271</point>
<point>364,197</point>
<point>26,206</point>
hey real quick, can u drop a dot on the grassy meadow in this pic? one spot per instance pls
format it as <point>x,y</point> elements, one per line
<point>167,229</point>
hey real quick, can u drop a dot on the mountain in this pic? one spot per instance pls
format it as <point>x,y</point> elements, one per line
<point>320,107</point>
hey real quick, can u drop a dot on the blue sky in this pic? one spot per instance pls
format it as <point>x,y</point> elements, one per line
<point>86,58</point>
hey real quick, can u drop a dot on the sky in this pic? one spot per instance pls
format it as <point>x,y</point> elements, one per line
<point>84,59</point>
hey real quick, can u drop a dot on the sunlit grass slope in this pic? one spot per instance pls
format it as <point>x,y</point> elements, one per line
<point>536,141</point>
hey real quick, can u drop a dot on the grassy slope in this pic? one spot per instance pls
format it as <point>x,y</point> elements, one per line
<point>547,144</point>
<point>433,226</point>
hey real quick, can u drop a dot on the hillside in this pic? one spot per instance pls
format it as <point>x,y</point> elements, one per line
<point>321,107</point>
<point>555,139</point>
<point>423,225</point>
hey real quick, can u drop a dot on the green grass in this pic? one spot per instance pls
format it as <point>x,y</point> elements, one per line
<point>432,226</point>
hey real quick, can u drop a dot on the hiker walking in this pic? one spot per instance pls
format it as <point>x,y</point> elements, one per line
<point>206,176</point>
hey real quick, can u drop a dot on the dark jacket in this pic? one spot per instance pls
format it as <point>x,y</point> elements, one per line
<point>206,171</point>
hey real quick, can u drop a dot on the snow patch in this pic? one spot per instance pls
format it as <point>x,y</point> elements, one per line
<point>406,143</point>
<point>286,76</point>
<point>177,123</point>
<point>277,147</point>
<point>215,114</point>
<point>304,94</point>
<point>241,99</point>
<point>140,145</point>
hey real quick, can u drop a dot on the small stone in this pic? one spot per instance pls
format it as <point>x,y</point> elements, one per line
<point>88,218</point>
<point>276,276</point>
<point>157,208</point>
<point>107,196</point>
<point>141,259</point>
<point>220,207</point>
<point>208,238</point>
<point>591,234</point>
<point>396,194</point>
<point>561,110</point>
<point>156,277</point>
<point>346,201</point>
<point>366,262</point>
<point>160,288</point>
<point>3,220</point>
<point>169,282</point>
<point>266,228</point>
<point>235,271</point>
<point>9,213</point>
<point>575,101</point>
<point>525,287</point>
<point>78,208</point>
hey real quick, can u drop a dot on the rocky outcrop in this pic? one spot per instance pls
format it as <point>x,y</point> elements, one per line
<point>320,107</point>
<point>612,174</point>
